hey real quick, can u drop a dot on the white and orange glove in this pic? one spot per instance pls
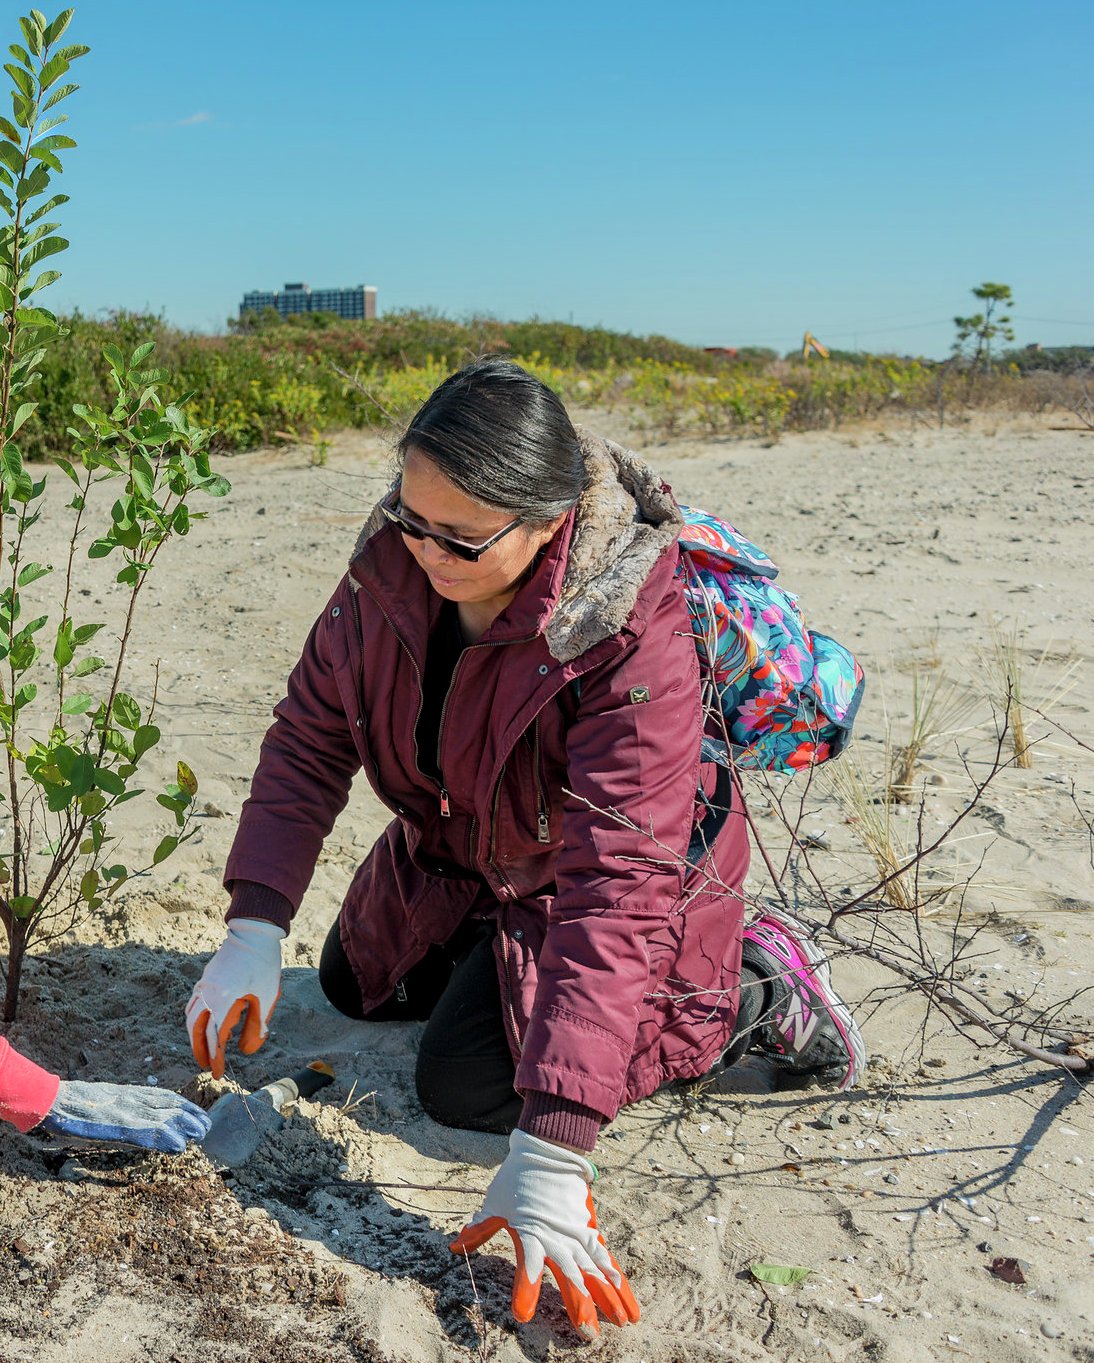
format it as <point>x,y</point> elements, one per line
<point>242,982</point>
<point>542,1196</point>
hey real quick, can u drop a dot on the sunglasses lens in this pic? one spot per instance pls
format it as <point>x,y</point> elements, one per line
<point>457,549</point>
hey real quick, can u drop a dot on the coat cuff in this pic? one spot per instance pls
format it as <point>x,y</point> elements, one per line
<point>27,1092</point>
<point>561,1120</point>
<point>250,900</point>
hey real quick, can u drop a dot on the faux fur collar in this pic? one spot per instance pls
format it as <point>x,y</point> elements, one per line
<point>624,522</point>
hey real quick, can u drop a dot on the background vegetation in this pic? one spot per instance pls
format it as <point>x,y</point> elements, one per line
<point>272,379</point>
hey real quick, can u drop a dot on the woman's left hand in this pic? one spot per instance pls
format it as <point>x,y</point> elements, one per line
<point>542,1196</point>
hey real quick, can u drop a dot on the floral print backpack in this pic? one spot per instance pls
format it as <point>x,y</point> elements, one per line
<point>784,697</point>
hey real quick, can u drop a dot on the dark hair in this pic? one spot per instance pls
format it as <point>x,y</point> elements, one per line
<point>503,438</point>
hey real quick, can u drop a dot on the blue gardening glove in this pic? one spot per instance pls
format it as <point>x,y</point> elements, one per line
<point>125,1114</point>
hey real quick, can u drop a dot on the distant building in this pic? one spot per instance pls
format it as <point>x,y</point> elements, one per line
<point>358,303</point>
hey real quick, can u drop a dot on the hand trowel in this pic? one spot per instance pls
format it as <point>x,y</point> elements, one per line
<point>240,1121</point>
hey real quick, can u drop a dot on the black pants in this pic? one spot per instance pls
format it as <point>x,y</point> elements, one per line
<point>464,1075</point>
<point>465,1072</point>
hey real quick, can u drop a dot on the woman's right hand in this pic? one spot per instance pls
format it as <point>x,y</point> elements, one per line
<point>241,983</point>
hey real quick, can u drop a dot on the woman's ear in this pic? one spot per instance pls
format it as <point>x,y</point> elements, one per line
<point>548,532</point>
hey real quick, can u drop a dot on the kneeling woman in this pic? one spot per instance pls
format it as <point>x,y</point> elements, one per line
<point>509,658</point>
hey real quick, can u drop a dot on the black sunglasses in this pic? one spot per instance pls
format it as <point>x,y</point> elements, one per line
<point>470,553</point>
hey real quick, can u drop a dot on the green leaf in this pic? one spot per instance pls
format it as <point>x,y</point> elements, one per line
<point>101,547</point>
<point>127,713</point>
<point>94,802</point>
<point>82,775</point>
<point>32,572</point>
<point>114,358</point>
<point>69,471</point>
<point>48,246</point>
<point>144,475</point>
<point>23,110</point>
<point>47,123</point>
<point>44,280</point>
<point>54,69</point>
<point>58,142</point>
<point>22,79</point>
<point>23,412</point>
<point>11,157</point>
<point>89,884</point>
<point>11,132</point>
<point>85,633</point>
<point>109,781</point>
<point>164,850</point>
<point>57,27</point>
<point>32,34</point>
<point>63,649</point>
<point>47,158</point>
<point>141,354</point>
<point>87,665</point>
<point>62,92</point>
<point>782,1274</point>
<point>23,905</point>
<point>216,486</point>
<point>77,705</point>
<point>11,466</point>
<point>146,737</point>
<point>35,182</point>
<point>24,695</point>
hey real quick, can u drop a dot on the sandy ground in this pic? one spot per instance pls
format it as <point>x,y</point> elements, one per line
<point>331,1243</point>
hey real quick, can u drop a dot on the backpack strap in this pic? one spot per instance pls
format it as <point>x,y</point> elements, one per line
<point>717,805</point>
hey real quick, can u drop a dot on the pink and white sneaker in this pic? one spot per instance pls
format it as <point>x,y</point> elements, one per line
<point>805,1025</point>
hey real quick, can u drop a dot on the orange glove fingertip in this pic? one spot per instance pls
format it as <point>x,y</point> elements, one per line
<point>198,1044</point>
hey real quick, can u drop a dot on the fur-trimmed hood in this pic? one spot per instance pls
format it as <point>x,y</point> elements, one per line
<point>623,522</point>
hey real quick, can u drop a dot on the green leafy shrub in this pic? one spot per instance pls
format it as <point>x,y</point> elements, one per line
<point>74,738</point>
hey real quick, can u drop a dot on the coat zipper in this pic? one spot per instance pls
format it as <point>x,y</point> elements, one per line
<point>543,822</point>
<point>446,807</point>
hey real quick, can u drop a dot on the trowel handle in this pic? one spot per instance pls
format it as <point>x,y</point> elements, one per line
<point>303,1084</point>
<point>315,1077</point>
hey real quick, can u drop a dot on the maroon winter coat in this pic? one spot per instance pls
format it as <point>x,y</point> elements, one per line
<point>569,750</point>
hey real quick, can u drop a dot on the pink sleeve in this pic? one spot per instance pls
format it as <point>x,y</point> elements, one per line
<point>27,1092</point>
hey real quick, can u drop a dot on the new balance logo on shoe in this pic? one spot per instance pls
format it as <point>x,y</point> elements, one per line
<point>797,1024</point>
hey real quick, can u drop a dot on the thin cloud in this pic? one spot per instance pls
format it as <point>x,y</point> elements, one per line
<point>191,121</point>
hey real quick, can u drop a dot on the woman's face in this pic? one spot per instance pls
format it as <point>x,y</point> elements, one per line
<point>431,499</point>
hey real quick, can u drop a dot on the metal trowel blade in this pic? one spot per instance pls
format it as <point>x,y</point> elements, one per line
<point>239,1123</point>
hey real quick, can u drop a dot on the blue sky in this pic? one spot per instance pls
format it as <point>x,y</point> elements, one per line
<point>725,173</point>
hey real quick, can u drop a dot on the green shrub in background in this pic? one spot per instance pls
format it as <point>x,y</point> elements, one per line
<point>277,380</point>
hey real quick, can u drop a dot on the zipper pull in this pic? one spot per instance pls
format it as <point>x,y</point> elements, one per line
<point>446,808</point>
<point>544,827</point>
